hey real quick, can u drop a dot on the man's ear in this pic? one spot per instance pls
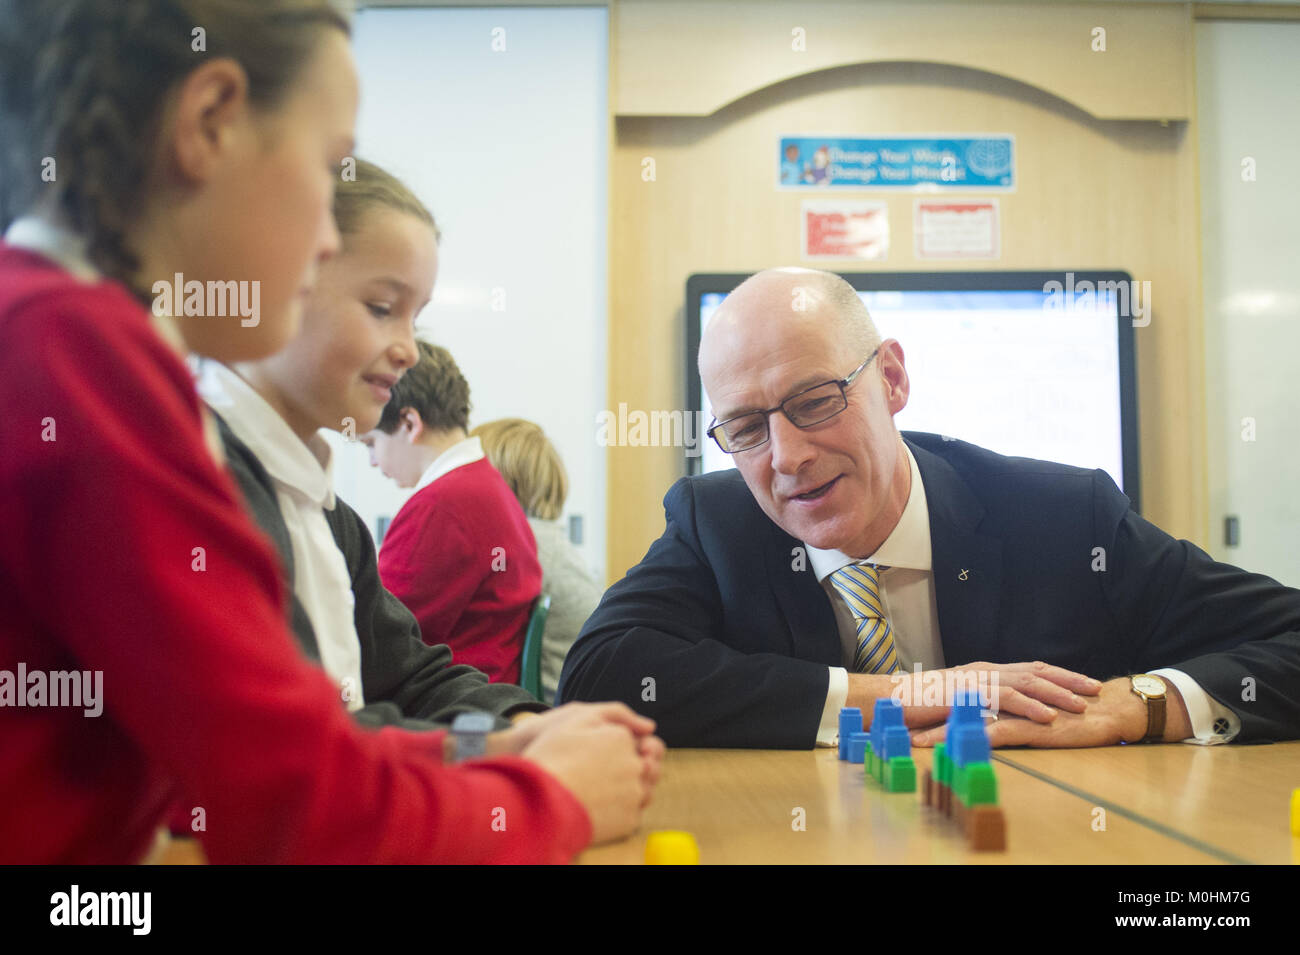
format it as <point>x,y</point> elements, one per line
<point>412,424</point>
<point>211,101</point>
<point>897,385</point>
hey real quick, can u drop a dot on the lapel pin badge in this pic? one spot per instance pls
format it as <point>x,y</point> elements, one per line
<point>964,575</point>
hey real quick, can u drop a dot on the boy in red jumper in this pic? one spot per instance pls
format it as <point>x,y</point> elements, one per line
<point>460,553</point>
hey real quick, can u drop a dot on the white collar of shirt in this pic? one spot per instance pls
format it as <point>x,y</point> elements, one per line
<point>301,474</point>
<point>305,469</point>
<point>459,454</point>
<point>58,244</point>
<point>908,544</point>
<point>66,249</point>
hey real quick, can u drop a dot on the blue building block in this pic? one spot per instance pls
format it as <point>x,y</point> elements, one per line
<point>888,712</point>
<point>850,722</point>
<point>898,742</point>
<point>971,745</point>
<point>858,743</point>
<point>965,712</point>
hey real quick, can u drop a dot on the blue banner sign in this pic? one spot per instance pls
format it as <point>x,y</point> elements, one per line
<point>922,163</point>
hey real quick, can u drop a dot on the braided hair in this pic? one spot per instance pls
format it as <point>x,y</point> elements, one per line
<point>84,83</point>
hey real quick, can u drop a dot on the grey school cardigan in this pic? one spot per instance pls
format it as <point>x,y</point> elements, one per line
<point>403,682</point>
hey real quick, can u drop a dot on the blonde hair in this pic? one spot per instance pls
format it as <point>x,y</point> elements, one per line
<point>372,188</point>
<point>529,462</point>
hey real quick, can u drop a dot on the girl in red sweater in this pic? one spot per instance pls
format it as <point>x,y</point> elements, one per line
<point>167,173</point>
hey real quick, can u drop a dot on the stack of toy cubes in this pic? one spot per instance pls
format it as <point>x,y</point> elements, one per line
<point>888,756</point>
<point>962,783</point>
<point>885,751</point>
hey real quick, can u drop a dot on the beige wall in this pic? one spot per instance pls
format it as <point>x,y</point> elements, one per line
<point>1091,192</point>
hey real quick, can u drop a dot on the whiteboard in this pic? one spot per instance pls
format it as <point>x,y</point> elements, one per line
<point>509,150</point>
<point>1248,104</point>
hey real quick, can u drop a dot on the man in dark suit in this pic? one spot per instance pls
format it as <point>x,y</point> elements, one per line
<point>841,554</point>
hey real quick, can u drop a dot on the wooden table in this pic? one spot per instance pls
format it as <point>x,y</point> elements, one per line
<point>1232,802</point>
<point>1170,804</point>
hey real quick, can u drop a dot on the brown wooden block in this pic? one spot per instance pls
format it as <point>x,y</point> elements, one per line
<point>986,829</point>
<point>927,789</point>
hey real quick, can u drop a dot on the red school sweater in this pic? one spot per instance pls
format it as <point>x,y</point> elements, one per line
<point>461,556</point>
<point>108,493</point>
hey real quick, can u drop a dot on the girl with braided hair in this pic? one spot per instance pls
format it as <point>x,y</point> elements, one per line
<point>151,151</point>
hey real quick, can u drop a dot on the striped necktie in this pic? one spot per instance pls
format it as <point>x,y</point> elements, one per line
<point>859,585</point>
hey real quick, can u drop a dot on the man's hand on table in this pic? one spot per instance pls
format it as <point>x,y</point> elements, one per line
<point>1036,691</point>
<point>1116,714</point>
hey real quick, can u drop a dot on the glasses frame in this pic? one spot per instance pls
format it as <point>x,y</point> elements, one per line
<point>844,384</point>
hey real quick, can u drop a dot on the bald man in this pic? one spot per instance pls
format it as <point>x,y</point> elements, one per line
<point>841,559</point>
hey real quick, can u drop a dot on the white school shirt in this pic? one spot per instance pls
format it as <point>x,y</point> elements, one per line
<point>459,454</point>
<point>908,599</point>
<point>304,489</point>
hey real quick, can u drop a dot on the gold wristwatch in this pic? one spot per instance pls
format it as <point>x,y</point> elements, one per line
<point>1152,690</point>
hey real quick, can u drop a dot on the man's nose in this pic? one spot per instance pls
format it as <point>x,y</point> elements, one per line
<point>791,449</point>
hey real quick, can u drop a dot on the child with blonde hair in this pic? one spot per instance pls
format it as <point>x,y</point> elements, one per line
<point>533,470</point>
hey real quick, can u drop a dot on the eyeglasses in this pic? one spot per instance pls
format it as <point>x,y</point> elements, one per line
<point>803,410</point>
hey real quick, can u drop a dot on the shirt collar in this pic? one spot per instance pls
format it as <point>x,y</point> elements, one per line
<point>67,250</point>
<point>57,243</point>
<point>459,454</point>
<point>305,469</point>
<point>907,546</point>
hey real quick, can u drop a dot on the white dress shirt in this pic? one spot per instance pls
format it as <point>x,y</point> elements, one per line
<point>304,489</point>
<point>460,453</point>
<point>908,599</point>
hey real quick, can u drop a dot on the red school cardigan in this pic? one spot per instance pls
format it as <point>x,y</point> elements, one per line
<point>125,553</point>
<point>461,556</point>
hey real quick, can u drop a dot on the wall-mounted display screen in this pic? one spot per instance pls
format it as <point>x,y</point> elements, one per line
<point>1035,364</point>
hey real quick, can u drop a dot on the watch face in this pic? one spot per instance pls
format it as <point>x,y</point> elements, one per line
<point>1149,685</point>
<point>473,723</point>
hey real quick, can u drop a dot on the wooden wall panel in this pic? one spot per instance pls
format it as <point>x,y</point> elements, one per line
<point>1091,194</point>
<point>692,57</point>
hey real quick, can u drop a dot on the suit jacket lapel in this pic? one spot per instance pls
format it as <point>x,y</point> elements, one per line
<point>967,565</point>
<point>802,601</point>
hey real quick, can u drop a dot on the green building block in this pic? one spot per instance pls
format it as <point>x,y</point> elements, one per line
<point>900,775</point>
<point>976,785</point>
<point>896,776</point>
<point>875,766</point>
<point>942,765</point>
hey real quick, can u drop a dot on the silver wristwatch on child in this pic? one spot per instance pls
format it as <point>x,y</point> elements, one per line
<point>469,732</point>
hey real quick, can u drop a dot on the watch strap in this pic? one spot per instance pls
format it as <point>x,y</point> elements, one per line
<point>1155,719</point>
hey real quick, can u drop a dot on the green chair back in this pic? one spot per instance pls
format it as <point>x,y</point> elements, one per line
<point>531,673</point>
